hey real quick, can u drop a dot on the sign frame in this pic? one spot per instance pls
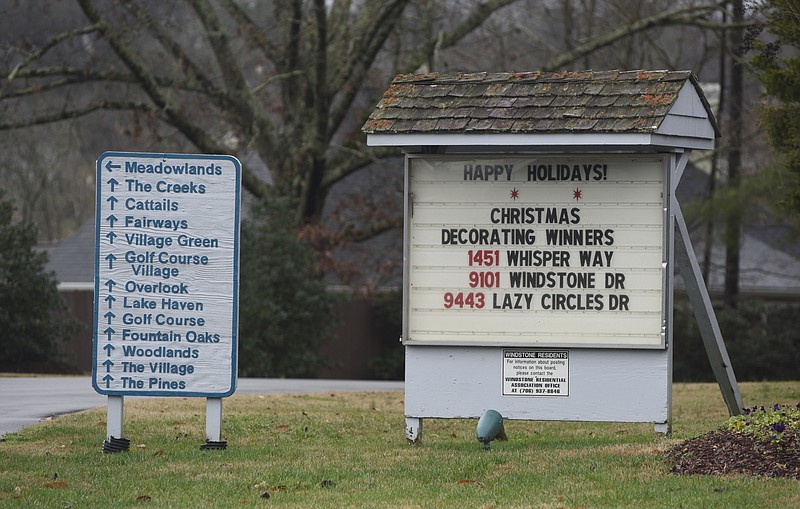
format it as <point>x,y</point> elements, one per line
<point>231,175</point>
<point>664,280</point>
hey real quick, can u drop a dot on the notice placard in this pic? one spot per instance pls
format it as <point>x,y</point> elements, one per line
<point>555,250</point>
<point>535,372</point>
<point>166,274</point>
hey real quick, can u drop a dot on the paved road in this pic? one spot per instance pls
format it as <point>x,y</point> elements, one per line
<point>28,400</point>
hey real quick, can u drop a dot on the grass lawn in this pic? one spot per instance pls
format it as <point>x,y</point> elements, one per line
<point>349,450</point>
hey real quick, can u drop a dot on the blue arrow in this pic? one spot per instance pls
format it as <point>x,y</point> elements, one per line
<point>109,331</point>
<point>107,379</point>
<point>110,166</point>
<point>111,220</point>
<point>107,363</point>
<point>111,236</point>
<point>110,284</point>
<point>112,200</point>
<point>109,316</point>
<point>110,299</point>
<point>109,348</point>
<point>113,182</point>
<point>110,257</point>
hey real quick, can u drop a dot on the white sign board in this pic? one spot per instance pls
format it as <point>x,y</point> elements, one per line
<point>166,274</point>
<point>535,372</point>
<point>556,250</point>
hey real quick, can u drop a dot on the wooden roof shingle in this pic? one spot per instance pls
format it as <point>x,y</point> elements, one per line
<point>534,102</point>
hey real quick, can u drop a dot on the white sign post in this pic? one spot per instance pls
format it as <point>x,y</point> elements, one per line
<point>166,281</point>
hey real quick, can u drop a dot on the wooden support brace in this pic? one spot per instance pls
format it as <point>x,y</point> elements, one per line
<point>704,314</point>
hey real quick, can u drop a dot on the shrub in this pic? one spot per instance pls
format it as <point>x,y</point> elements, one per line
<point>31,332</point>
<point>387,317</point>
<point>776,424</point>
<point>285,310</point>
<point>760,336</point>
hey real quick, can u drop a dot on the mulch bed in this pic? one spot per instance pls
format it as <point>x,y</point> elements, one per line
<point>724,452</point>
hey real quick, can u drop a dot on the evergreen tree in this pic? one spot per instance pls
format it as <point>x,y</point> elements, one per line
<point>30,330</point>
<point>285,310</point>
<point>777,66</point>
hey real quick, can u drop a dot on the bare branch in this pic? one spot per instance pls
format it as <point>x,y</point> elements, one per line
<point>444,41</point>
<point>350,87</point>
<point>76,76</point>
<point>195,74</point>
<point>339,24</point>
<point>253,31</point>
<point>455,35</point>
<point>231,74</point>
<point>312,197</point>
<point>349,160</point>
<point>256,89</point>
<point>372,230</point>
<point>289,16</point>
<point>68,114</point>
<point>372,31</point>
<point>48,46</point>
<point>682,16</point>
<point>168,110</point>
<point>538,41</point>
<point>251,116</point>
<point>360,58</point>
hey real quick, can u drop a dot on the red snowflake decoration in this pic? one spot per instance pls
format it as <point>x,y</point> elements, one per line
<point>577,194</point>
<point>514,194</point>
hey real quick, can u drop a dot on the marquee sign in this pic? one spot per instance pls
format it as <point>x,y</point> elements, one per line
<point>553,251</point>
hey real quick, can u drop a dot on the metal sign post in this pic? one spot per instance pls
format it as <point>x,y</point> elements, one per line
<point>166,280</point>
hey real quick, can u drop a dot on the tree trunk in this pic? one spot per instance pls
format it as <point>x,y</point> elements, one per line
<point>715,157</point>
<point>733,230</point>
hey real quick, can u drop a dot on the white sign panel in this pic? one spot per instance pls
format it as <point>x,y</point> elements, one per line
<point>166,274</point>
<point>560,250</point>
<point>535,372</point>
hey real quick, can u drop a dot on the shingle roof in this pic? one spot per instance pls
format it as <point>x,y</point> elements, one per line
<point>530,102</point>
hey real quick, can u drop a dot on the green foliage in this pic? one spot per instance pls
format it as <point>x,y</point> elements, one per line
<point>387,314</point>
<point>777,66</point>
<point>774,425</point>
<point>758,191</point>
<point>760,336</point>
<point>285,310</point>
<point>30,330</point>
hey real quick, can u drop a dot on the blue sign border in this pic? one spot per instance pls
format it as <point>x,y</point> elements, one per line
<point>235,307</point>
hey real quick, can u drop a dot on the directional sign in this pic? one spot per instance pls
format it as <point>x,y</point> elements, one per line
<point>166,274</point>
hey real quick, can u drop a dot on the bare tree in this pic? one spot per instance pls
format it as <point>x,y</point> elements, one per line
<point>733,221</point>
<point>49,189</point>
<point>290,81</point>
